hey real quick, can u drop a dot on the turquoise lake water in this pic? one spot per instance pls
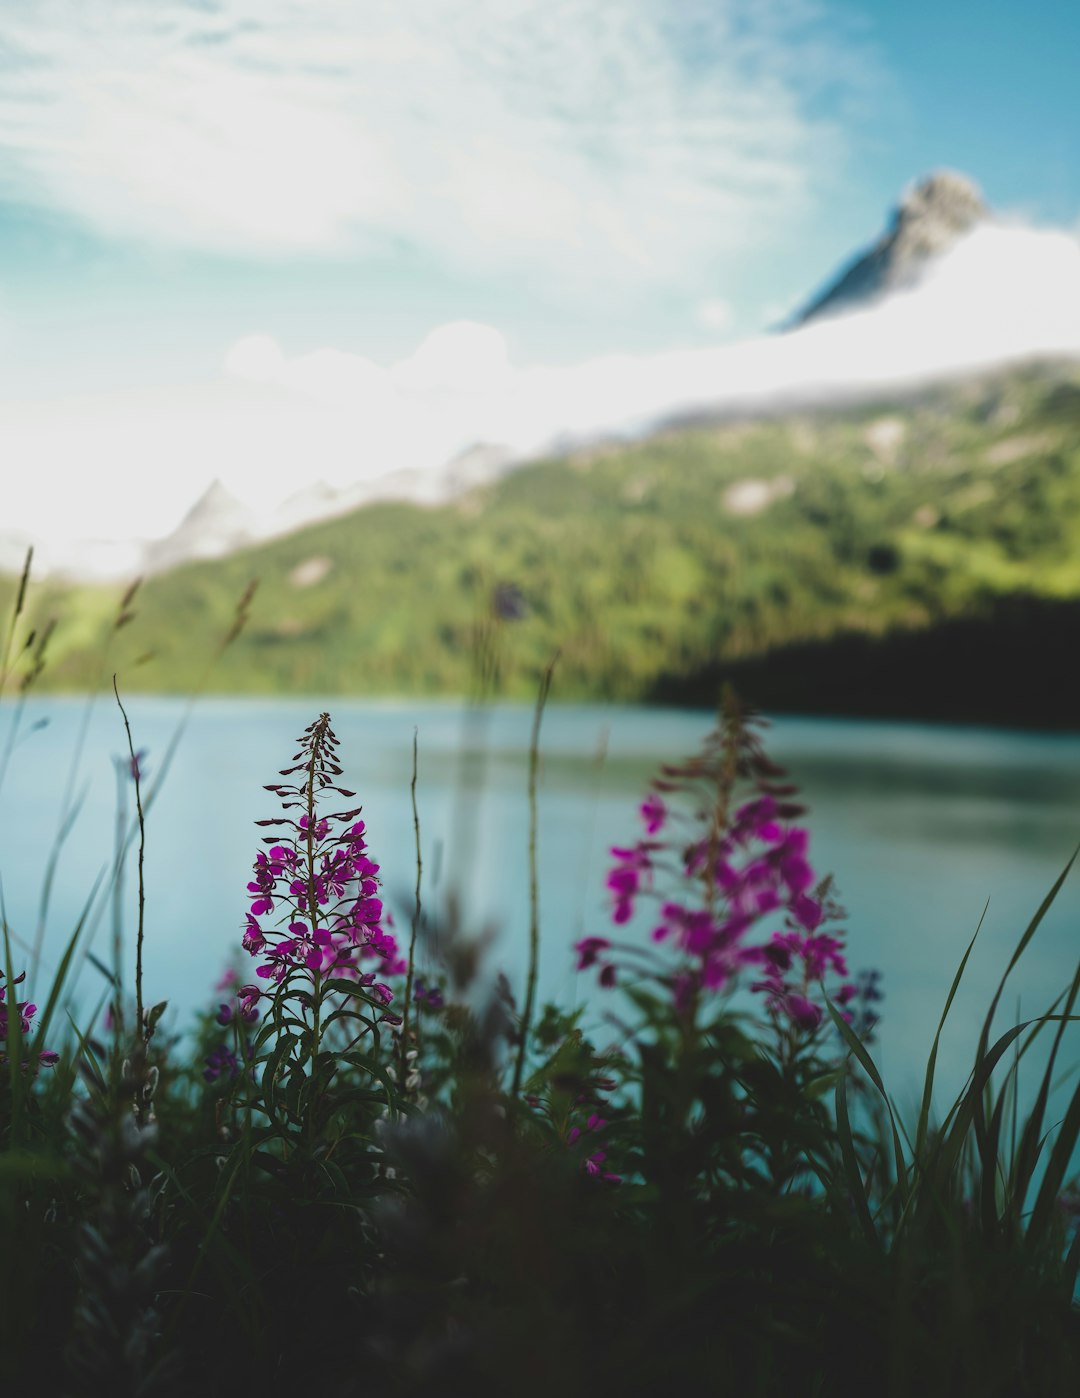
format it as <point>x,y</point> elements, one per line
<point>920,825</point>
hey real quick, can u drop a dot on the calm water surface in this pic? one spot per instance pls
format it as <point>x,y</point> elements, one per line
<point>920,825</point>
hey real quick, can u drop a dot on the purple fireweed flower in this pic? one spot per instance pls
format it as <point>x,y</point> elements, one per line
<point>750,862</point>
<point>253,940</point>
<point>244,1003</point>
<point>863,995</point>
<point>588,950</point>
<point>803,1013</point>
<point>594,1167</point>
<point>25,1011</point>
<point>220,1061</point>
<point>315,916</point>
<point>653,813</point>
<point>806,911</point>
<point>632,871</point>
<point>431,996</point>
<point>320,830</point>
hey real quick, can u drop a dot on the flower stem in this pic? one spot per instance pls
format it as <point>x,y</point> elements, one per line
<point>534,893</point>
<point>142,885</point>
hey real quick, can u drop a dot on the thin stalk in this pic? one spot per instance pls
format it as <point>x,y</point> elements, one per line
<point>142,852</point>
<point>534,888</point>
<point>14,1044</point>
<point>239,621</point>
<point>16,612</point>
<point>161,768</point>
<point>415,917</point>
<point>118,896</point>
<point>69,807</point>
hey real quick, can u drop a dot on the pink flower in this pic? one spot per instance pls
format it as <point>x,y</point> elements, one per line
<point>653,813</point>
<point>588,950</point>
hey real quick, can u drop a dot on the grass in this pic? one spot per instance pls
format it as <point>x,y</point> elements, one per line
<point>323,1188</point>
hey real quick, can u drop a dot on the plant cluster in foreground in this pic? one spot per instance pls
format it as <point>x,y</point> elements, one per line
<point>369,1175</point>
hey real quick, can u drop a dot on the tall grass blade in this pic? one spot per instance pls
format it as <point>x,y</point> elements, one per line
<point>14,1044</point>
<point>59,978</point>
<point>985,1139</point>
<point>1062,1153</point>
<point>1021,946</point>
<point>1024,1160</point>
<point>858,1048</point>
<point>534,884</point>
<point>16,612</point>
<point>931,1062</point>
<point>856,1184</point>
<point>142,853</point>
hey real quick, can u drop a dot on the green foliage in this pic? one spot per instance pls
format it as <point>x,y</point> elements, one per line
<point>416,1207</point>
<point>350,1210</point>
<point>654,566</point>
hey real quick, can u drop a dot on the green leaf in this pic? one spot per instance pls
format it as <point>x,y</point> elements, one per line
<point>928,1085</point>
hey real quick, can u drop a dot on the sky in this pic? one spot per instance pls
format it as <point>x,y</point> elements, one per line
<point>278,241</point>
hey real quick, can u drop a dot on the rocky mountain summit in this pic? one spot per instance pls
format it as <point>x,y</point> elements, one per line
<point>931,218</point>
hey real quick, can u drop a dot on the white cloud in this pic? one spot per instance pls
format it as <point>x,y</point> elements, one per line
<point>1002,293</point>
<point>716,314</point>
<point>129,465</point>
<point>591,137</point>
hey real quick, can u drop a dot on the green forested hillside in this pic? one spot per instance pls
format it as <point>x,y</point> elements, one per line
<point>762,548</point>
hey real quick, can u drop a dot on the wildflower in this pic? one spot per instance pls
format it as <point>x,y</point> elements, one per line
<point>803,1013</point>
<point>220,1061</point>
<point>319,885</point>
<point>866,994</point>
<point>632,870</point>
<point>653,813</point>
<point>25,1012</point>
<point>751,862</point>
<point>594,1167</point>
<point>588,950</point>
<point>253,940</point>
<point>431,996</point>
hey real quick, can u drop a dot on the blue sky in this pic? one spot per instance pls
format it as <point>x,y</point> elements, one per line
<point>588,176</point>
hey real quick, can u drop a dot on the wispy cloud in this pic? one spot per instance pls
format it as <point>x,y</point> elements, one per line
<point>595,137</point>
<point>278,422</point>
<point>1004,293</point>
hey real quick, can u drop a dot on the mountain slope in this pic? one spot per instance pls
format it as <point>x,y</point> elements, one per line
<point>657,566</point>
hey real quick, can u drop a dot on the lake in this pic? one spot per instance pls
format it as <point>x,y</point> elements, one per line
<point>921,826</point>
